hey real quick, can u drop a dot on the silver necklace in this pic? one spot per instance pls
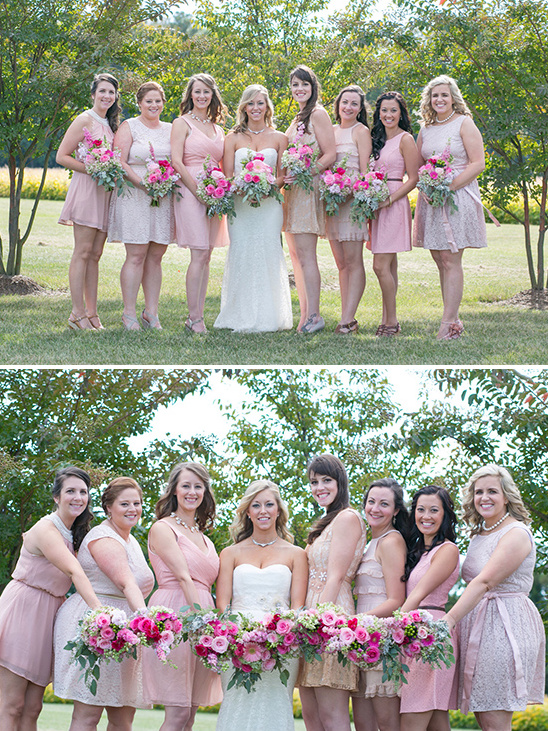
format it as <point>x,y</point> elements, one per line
<point>485,528</point>
<point>263,545</point>
<point>204,121</point>
<point>442,121</point>
<point>256,133</point>
<point>180,521</point>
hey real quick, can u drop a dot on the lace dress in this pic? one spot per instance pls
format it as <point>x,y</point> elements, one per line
<point>255,295</point>
<point>28,606</point>
<point>443,228</point>
<point>132,219</point>
<point>120,684</point>
<point>329,672</point>
<point>269,707</point>
<point>502,641</point>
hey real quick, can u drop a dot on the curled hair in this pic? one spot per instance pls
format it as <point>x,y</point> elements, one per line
<point>115,487</point>
<point>216,110</point>
<point>248,94</point>
<point>446,532</point>
<point>354,89</point>
<point>328,464</point>
<point>114,111</point>
<point>401,518</point>
<point>304,73</point>
<point>242,527</point>
<point>378,132</point>
<point>167,504</point>
<point>427,110</point>
<point>515,505</point>
<point>143,90</point>
<point>82,522</point>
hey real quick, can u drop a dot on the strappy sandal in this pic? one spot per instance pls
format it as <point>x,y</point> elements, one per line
<point>454,331</point>
<point>74,323</point>
<point>314,324</point>
<point>130,323</point>
<point>379,331</point>
<point>189,325</point>
<point>150,322</point>
<point>348,328</point>
<point>99,325</point>
<point>388,331</point>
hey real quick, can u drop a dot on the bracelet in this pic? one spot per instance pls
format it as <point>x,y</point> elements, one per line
<point>389,200</point>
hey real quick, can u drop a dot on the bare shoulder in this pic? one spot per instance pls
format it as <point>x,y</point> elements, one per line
<point>348,518</point>
<point>320,116</point>
<point>407,140</point>
<point>446,552</point>
<point>180,125</point>
<point>360,131</point>
<point>392,540</point>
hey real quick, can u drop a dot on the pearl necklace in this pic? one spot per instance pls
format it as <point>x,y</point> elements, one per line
<point>204,121</point>
<point>485,528</point>
<point>263,545</point>
<point>180,521</point>
<point>256,133</point>
<point>442,121</point>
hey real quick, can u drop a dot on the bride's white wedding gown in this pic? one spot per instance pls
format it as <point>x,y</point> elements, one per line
<point>255,592</point>
<point>255,294</point>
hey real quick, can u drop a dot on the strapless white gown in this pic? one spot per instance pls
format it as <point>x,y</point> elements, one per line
<point>255,294</point>
<point>270,706</point>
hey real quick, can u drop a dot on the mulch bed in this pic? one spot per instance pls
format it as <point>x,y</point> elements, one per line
<point>529,299</point>
<point>20,284</point>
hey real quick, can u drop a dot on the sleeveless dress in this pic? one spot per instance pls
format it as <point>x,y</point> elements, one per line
<point>329,672</point>
<point>255,295</point>
<point>255,592</point>
<point>191,684</point>
<point>430,688</point>
<point>120,684</point>
<point>132,219</point>
<point>87,203</point>
<point>370,591</point>
<point>340,227</point>
<point>467,225</point>
<point>194,229</point>
<point>391,229</point>
<point>34,594</point>
<point>502,641</point>
<point>304,212</point>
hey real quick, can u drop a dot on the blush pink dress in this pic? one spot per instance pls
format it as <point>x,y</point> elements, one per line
<point>391,229</point>
<point>28,607</point>
<point>191,684</point>
<point>193,228</point>
<point>87,203</point>
<point>429,688</point>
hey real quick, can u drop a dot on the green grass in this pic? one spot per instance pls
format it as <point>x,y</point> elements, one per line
<point>33,328</point>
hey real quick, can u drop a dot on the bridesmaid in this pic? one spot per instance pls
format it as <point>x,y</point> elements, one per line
<point>431,571</point>
<point>45,570</point>
<point>195,135</point>
<point>353,141</point>
<point>186,565</point>
<point>118,571</point>
<point>380,590</point>
<point>304,214</point>
<point>145,230</point>
<point>394,150</point>
<point>501,635</point>
<point>86,204</point>
<point>335,547</point>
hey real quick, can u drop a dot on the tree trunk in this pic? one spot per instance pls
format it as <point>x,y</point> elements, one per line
<point>526,226</point>
<point>14,240</point>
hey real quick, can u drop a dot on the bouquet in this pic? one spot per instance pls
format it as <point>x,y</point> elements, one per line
<point>212,636</point>
<point>335,187</point>
<point>215,190</point>
<point>102,163</point>
<point>256,181</point>
<point>298,160</point>
<point>315,628</point>
<point>158,627</point>
<point>369,191</point>
<point>160,178</point>
<point>104,635</point>
<point>359,640</point>
<point>435,176</point>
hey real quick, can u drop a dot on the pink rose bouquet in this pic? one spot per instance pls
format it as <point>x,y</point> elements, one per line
<point>256,181</point>
<point>215,191</point>
<point>158,627</point>
<point>359,640</point>
<point>435,177</point>
<point>335,187</point>
<point>299,161</point>
<point>160,178</point>
<point>102,163</point>
<point>369,191</point>
<point>212,636</point>
<point>315,628</point>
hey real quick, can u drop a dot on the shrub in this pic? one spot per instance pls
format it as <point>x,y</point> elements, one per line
<point>534,718</point>
<point>55,188</point>
<point>49,696</point>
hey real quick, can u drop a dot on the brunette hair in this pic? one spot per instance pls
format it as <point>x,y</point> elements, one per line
<point>115,487</point>
<point>354,89</point>
<point>113,112</point>
<point>249,93</point>
<point>378,131</point>
<point>446,532</point>
<point>167,504</point>
<point>401,518</point>
<point>427,110</point>
<point>328,464</point>
<point>143,90</point>
<point>216,110</point>
<point>304,73</point>
<point>82,522</point>
<point>242,527</point>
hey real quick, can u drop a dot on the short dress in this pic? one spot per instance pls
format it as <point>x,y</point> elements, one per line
<point>304,212</point>
<point>502,640</point>
<point>391,228</point>
<point>120,684</point>
<point>28,606</point>
<point>132,219</point>
<point>443,228</point>
<point>191,684</point>
<point>194,229</point>
<point>87,203</point>
<point>429,688</point>
<point>340,227</point>
<point>370,591</point>
<point>328,671</point>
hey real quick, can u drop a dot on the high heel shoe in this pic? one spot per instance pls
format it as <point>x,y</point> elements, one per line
<point>130,322</point>
<point>96,322</point>
<point>150,322</point>
<point>74,322</point>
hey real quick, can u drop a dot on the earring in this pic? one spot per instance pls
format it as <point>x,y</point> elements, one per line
<point>109,516</point>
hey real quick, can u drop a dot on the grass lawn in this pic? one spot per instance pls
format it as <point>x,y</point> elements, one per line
<point>33,328</point>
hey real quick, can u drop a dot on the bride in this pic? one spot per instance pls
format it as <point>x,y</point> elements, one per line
<point>255,295</point>
<point>262,571</point>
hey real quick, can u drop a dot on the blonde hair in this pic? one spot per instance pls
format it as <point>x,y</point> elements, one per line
<point>242,527</point>
<point>515,505</point>
<point>428,114</point>
<point>248,94</point>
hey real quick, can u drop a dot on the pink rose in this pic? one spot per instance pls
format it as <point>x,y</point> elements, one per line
<point>210,189</point>
<point>217,174</point>
<point>218,193</point>
<point>102,620</point>
<point>347,636</point>
<point>269,664</point>
<point>372,654</point>
<point>328,618</point>
<point>107,633</point>
<point>220,644</point>
<point>256,179</point>
<point>248,177</point>
<point>362,635</point>
<point>398,635</point>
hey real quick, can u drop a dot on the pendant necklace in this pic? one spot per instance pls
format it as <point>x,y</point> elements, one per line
<point>485,528</point>
<point>180,521</point>
<point>442,121</point>
<point>263,545</point>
